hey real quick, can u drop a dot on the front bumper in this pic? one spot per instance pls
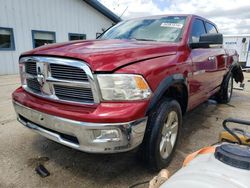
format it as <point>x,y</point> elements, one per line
<point>81,135</point>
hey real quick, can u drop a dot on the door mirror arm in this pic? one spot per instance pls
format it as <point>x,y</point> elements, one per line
<point>194,45</point>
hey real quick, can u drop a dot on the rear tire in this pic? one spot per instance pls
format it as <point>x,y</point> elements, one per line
<point>226,90</point>
<point>162,134</point>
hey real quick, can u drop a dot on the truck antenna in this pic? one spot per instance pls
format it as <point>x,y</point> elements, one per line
<point>123,12</point>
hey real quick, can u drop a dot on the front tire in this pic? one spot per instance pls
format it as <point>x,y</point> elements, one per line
<point>162,134</point>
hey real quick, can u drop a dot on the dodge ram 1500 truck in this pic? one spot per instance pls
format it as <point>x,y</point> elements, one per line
<point>128,88</point>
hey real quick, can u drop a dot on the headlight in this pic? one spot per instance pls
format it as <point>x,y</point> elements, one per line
<point>123,87</point>
<point>22,74</point>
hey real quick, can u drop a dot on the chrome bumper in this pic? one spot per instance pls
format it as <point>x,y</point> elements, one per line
<point>82,135</point>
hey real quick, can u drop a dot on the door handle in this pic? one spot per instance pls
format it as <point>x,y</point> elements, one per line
<point>211,58</point>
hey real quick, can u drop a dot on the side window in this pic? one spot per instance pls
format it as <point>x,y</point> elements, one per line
<point>198,29</point>
<point>43,37</point>
<point>76,36</point>
<point>6,39</point>
<point>211,28</point>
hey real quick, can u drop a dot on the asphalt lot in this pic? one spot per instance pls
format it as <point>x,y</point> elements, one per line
<point>22,150</point>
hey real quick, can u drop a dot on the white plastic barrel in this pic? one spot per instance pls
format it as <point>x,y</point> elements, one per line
<point>205,171</point>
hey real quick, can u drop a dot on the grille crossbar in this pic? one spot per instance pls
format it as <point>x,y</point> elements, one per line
<point>67,72</point>
<point>31,68</point>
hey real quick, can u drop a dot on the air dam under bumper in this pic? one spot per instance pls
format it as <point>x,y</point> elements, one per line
<point>84,136</point>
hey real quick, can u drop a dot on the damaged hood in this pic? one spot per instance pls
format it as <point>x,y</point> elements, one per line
<point>107,55</point>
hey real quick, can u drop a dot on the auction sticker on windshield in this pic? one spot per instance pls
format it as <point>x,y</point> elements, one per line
<point>174,25</point>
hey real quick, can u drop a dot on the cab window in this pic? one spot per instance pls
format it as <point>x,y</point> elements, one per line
<point>197,30</point>
<point>211,28</point>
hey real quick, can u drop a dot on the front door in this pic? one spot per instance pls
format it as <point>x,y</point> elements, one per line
<point>219,58</point>
<point>204,66</point>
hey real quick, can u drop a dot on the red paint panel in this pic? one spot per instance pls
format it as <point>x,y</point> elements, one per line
<point>107,55</point>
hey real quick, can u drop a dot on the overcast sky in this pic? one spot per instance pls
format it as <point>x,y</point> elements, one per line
<point>231,16</point>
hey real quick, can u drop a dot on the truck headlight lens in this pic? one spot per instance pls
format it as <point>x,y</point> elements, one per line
<point>123,87</point>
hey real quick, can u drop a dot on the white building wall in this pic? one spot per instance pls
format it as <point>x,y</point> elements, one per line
<point>60,16</point>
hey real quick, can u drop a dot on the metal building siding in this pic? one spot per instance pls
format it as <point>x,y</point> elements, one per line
<point>60,16</point>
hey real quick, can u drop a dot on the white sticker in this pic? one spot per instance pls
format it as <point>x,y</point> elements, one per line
<point>174,25</point>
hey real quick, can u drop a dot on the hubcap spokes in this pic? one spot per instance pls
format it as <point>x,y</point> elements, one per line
<point>169,134</point>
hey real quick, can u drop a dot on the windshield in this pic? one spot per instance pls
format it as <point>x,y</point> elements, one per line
<point>168,29</point>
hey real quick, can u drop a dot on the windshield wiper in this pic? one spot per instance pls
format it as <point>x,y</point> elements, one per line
<point>143,39</point>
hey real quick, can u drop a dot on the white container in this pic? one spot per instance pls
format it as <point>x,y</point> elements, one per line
<point>240,43</point>
<point>205,171</point>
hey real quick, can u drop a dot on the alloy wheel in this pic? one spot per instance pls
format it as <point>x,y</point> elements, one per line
<point>169,134</point>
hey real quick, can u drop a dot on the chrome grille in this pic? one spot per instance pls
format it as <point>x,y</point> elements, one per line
<point>59,79</point>
<point>67,72</point>
<point>33,84</point>
<point>30,67</point>
<point>73,93</point>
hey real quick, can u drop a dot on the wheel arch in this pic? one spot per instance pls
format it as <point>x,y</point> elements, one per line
<point>237,72</point>
<point>174,86</point>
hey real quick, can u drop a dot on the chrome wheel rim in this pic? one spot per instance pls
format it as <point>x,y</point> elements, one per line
<point>169,134</point>
<point>229,87</point>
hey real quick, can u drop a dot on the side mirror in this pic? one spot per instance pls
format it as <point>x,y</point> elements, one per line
<point>208,40</point>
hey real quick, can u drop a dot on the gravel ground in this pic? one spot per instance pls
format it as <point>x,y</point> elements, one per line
<point>22,150</point>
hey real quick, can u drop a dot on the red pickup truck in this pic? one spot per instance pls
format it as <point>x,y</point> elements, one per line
<point>128,88</point>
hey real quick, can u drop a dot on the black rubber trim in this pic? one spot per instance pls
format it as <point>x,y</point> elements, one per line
<point>163,87</point>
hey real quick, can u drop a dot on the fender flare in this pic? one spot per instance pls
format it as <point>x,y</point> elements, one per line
<point>237,72</point>
<point>164,85</point>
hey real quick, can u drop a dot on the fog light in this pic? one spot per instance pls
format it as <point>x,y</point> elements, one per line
<point>106,135</point>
